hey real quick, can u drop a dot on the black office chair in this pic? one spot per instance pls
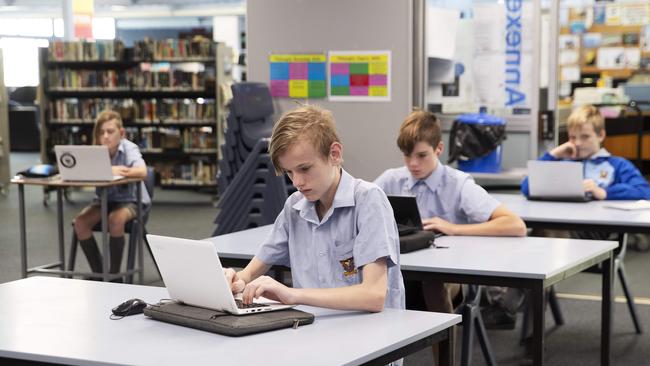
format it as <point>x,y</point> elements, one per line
<point>130,228</point>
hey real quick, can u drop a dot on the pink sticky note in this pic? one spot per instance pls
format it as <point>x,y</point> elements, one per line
<point>375,80</point>
<point>280,88</point>
<point>340,68</point>
<point>298,71</point>
<point>359,90</point>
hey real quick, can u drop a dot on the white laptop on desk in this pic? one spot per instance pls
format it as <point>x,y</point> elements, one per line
<point>193,275</point>
<point>84,163</point>
<point>556,181</point>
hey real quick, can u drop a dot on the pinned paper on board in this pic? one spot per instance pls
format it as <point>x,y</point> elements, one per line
<point>442,26</point>
<point>298,75</point>
<point>359,76</point>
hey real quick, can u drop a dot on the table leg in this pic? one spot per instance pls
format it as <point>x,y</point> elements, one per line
<point>140,233</point>
<point>105,250</point>
<point>446,348</point>
<point>23,231</point>
<point>606,312</point>
<point>59,217</point>
<point>538,323</point>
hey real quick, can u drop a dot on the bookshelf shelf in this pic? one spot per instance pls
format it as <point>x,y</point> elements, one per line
<point>136,94</point>
<point>142,84</point>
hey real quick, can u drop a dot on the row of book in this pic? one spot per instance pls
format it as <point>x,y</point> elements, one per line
<point>167,110</point>
<point>201,173</point>
<point>171,49</point>
<point>86,50</point>
<point>124,80</point>
<point>189,140</point>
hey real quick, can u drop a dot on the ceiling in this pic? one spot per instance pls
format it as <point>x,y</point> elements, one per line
<point>125,8</point>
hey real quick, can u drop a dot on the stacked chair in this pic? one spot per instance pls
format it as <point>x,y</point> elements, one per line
<point>250,118</point>
<point>251,195</point>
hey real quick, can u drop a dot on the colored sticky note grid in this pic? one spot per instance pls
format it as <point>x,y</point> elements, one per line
<point>298,75</point>
<point>359,75</point>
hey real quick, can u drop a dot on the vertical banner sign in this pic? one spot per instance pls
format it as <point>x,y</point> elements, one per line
<point>82,15</point>
<point>298,75</point>
<point>359,76</point>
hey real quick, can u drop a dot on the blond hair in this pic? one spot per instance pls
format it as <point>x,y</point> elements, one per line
<point>419,126</point>
<point>310,122</point>
<point>586,114</point>
<point>103,117</point>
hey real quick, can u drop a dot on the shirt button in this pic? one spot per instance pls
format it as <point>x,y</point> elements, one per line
<point>321,254</point>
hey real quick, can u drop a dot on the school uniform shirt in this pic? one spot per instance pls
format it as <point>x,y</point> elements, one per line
<point>446,193</point>
<point>617,176</point>
<point>358,229</point>
<point>128,154</point>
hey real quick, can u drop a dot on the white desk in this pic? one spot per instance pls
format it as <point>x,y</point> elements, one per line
<point>532,263</point>
<point>67,321</point>
<point>57,183</point>
<point>592,216</point>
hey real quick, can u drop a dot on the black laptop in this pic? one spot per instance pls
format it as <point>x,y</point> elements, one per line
<point>407,215</point>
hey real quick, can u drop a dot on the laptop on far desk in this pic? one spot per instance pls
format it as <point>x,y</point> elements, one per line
<point>84,163</point>
<point>193,275</point>
<point>407,215</point>
<point>556,181</point>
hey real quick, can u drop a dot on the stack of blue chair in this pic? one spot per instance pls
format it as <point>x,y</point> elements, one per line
<point>251,195</point>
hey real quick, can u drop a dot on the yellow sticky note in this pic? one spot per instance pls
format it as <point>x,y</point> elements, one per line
<point>377,91</point>
<point>378,68</point>
<point>298,88</point>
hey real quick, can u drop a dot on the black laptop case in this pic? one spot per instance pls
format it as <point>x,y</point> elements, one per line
<point>224,323</point>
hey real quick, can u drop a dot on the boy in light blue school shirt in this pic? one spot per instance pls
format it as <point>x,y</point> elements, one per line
<point>337,233</point>
<point>449,200</point>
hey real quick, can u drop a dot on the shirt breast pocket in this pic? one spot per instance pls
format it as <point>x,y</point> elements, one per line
<point>346,269</point>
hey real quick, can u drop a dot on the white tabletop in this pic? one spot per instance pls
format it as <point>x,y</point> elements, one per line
<point>67,321</point>
<point>583,213</point>
<point>527,257</point>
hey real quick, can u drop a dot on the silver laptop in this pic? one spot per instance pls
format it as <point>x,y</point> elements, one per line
<point>193,275</point>
<point>556,181</point>
<point>85,163</point>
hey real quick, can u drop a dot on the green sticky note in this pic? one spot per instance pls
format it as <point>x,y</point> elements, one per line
<point>340,90</point>
<point>317,89</point>
<point>359,68</point>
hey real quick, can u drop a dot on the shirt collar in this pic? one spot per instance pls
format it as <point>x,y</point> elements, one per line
<point>344,197</point>
<point>602,153</point>
<point>432,181</point>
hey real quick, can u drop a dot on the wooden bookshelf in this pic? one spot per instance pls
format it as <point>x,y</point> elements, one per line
<point>157,104</point>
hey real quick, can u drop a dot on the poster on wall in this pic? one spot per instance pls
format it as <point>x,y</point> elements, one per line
<point>359,76</point>
<point>298,75</point>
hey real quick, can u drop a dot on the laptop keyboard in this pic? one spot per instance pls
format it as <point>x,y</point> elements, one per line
<point>241,305</point>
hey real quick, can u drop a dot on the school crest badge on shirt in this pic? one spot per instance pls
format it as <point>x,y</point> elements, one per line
<point>348,266</point>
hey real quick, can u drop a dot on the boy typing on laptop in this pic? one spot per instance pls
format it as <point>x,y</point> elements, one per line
<point>449,200</point>
<point>337,233</point>
<point>126,161</point>
<point>605,176</point>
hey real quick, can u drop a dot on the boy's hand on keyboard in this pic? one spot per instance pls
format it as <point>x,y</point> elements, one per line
<point>269,288</point>
<point>590,186</point>
<point>439,225</point>
<point>236,284</point>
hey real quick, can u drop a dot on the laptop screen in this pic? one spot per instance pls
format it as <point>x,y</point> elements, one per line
<point>405,210</point>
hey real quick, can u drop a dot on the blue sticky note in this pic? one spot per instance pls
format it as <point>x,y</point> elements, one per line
<point>316,71</point>
<point>340,80</point>
<point>279,71</point>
